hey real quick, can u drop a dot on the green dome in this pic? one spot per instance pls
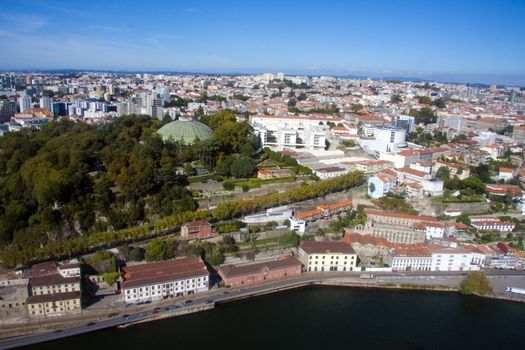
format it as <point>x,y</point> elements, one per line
<point>185,131</point>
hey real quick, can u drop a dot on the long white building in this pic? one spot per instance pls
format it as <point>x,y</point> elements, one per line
<point>157,281</point>
<point>432,258</point>
<point>292,131</point>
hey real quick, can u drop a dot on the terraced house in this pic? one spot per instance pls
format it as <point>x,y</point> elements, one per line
<point>55,290</point>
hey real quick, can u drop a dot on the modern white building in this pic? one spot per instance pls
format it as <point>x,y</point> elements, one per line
<point>286,137</point>
<point>292,131</point>
<point>297,225</point>
<point>380,185</point>
<point>279,214</point>
<point>406,122</point>
<point>157,281</point>
<point>315,137</point>
<point>388,139</point>
<point>327,256</point>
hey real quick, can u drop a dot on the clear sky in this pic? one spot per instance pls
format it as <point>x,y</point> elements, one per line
<point>451,40</point>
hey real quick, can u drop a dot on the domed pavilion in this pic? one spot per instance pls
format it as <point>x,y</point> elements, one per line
<point>185,131</point>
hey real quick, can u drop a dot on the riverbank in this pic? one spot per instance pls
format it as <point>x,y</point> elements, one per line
<point>207,300</point>
<point>327,317</point>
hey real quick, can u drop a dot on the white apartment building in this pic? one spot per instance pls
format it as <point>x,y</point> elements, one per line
<point>413,259</point>
<point>432,258</point>
<point>286,137</point>
<point>24,103</point>
<point>157,281</point>
<point>292,131</point>
<point>315,137</point>
<point>327,256</point>
<point>450,259</point>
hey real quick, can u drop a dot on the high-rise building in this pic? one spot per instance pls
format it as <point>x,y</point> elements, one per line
<point>60,108</point>
<point>512,97</point>
<point>156,108</point>
<point>45,102</point>
<point>7,110</point>
<point>406,122</point>
<point>24,103</point>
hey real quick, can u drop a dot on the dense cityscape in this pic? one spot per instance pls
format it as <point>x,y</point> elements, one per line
<point>288,174</point>
<point>140,188</point>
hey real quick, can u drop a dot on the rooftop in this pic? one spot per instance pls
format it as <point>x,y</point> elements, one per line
<point>234,271</point>
<point>315,247</point>
<point>171,270</point>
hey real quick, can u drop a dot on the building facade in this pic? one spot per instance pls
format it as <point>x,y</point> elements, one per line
<point>198,229</point>
<point>233,275</point>
<point>327,256</point>
<point>157,281</point>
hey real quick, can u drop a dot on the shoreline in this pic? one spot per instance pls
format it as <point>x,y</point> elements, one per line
<point>244,293</point>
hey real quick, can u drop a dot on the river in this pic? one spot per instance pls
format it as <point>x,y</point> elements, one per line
<point>324,318</point>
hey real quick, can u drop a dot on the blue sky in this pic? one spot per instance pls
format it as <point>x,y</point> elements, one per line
<point>476,41</point>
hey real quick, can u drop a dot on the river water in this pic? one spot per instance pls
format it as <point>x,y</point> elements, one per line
<point>324,318</point>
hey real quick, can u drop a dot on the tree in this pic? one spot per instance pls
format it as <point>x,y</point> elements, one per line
<point>439,103</point>
<point>243,166</point>
<point>396,98</point>
<point>443,171</point>
<point>356,108</point>
<point>228,185</point>
<point>426,115</point>
<point>464,219</point>
<point>476,283</point>
<point>189,169</point>
<point>166,119</point>
<point>159,250</point>
<point>424,100</point>
<point>233,137</point>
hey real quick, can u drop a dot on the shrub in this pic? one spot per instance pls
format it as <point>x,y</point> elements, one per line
<point>476,283</point>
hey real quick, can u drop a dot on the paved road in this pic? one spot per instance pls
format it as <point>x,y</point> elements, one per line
<point>229,294</point>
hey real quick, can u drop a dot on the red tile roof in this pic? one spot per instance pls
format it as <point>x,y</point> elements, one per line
<point>164,271</point>
<point>314,247</point>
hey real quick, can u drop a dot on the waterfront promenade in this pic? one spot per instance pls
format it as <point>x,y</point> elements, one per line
<point>48,331</point>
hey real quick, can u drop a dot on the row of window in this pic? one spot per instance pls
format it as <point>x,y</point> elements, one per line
<point>169,285</point>
<point>331,262</point>
<point>331,268</point>
<point>335,257</point>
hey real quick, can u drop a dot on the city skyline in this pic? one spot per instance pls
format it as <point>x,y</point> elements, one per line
<point>445,41</point>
